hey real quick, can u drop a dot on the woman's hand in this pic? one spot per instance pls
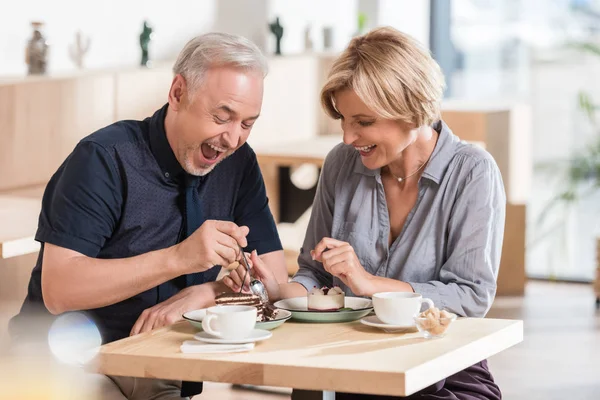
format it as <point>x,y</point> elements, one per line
<point>339,259</point>
<point>259,270</point>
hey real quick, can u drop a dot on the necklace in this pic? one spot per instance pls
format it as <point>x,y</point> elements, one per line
<point>399,179</point>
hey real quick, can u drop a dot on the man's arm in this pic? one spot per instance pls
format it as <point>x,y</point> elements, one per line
<point>200,296</point>
<point>73,281</point>
<point>171,310</point>
<point>80,212</point>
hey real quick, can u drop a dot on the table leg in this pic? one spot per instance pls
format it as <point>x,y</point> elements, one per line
<point>328,395</point>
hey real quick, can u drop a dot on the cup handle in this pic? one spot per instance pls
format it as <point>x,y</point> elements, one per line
<point>425,300</point>
<point>207,327</point>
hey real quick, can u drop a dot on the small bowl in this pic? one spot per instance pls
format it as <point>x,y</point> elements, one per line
<point>434,328</point>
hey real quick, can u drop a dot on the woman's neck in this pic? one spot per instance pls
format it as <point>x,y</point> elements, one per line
<point>412,160</point>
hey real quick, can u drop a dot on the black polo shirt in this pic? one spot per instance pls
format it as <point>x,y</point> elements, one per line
<point>121,193</point>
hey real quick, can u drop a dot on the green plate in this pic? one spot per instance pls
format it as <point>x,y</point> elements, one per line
<point>195,318</point>
<point>298,307</point>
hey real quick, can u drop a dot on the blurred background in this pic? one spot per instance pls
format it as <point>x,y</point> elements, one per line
<point>521,83</point>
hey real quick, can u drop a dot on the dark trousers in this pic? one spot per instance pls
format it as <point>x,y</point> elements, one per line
<point>473,383</point>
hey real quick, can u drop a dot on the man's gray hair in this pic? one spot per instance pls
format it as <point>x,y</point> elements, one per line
<point>216,50</point>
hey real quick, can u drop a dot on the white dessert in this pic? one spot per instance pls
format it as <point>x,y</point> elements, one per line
<point>325,299</point>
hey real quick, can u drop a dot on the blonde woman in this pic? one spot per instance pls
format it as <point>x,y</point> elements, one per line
<point>402,204</point>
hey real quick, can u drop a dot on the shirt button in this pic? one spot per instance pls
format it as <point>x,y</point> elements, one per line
<point>166,174</point>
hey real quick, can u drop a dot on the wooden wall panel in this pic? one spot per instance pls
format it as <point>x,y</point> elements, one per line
<point>44,119</point>
<point>140,92</point>
<point>512,278</point>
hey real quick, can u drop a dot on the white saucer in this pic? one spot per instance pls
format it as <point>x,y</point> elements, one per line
<point>377,323</point>
<point>256,336</point>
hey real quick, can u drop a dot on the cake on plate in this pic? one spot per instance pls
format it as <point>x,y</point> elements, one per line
<point>265,311</point>
<point>325,299</point>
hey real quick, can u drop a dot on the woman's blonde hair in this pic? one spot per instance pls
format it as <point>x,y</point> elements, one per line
<point>392,74</point>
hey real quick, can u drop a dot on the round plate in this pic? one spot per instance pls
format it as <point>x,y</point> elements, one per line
<point>377,323</point>
<point>282,316</point>
<point>195,318</point>
<point>298,307</point>
<point>255,336</point>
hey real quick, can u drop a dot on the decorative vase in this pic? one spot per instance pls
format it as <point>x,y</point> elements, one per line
<point>36,52</point>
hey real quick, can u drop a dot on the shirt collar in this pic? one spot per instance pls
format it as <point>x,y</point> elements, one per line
<point>443,153</point>
<point>160,147</point>
<point>439,161</point>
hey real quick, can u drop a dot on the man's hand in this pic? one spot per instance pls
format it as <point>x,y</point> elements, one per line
<point>170,311</point>
<point>214,243</point>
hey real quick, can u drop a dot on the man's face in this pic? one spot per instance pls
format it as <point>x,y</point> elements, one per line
<point>214,120</point>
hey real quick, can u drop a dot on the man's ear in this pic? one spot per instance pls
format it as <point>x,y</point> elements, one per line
<point>178,93</point>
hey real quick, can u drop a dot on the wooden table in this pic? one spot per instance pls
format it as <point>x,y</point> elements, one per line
<point>346,357</point>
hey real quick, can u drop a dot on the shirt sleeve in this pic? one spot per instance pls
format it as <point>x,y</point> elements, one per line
<point>252,210</point>
<point>311,273</point>
<point>82,203</point>
<point>467,283</point>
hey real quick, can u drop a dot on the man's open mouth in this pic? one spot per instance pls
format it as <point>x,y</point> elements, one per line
<point>211,152</point>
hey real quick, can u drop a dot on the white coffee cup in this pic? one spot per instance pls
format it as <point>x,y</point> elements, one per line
<point>230,322</point>
<point>398,308</point>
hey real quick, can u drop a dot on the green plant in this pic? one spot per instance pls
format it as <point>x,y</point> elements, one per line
<point>362,22</point>
<point>580,174</point>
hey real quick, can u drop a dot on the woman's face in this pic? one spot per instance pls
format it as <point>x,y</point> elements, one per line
<point>379,141</point>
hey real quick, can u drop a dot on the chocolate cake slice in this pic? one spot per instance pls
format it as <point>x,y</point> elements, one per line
<point>237,299</point>
<point>265,312</point>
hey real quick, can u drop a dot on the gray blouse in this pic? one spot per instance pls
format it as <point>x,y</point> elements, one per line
<point>449,248</point>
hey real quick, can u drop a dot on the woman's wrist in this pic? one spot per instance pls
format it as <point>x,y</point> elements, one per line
<point>376,284</point>
<point>370,287</point>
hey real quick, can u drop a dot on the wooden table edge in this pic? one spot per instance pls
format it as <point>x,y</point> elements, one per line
<point>511,335</point>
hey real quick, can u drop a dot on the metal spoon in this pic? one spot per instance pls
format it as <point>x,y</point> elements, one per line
<point>256,286</point>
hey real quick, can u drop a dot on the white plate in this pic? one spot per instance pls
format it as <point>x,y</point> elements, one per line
<point>255,336</point>
<point>377,323</point>
<point>298,306</point>
<point>195,318</point>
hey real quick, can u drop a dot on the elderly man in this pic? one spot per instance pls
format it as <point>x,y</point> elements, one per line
<point>137,221</point>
